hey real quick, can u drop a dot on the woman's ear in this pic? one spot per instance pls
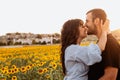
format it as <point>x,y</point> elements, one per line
<point>97,21</point>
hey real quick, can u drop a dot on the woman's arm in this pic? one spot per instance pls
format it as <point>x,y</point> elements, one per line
<point>103,38</point>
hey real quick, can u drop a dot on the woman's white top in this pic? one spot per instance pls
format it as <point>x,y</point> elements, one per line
<point>77,60</point>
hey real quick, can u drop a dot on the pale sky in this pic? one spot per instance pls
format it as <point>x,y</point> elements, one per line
<point>48,16</point>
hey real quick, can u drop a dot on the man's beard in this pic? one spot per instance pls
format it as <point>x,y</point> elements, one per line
<point>92,32</point>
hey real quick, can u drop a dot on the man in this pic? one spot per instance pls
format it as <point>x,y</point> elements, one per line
<point>109,67</point>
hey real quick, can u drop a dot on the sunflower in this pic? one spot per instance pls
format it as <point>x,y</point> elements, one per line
<point>45,70</point>
<point>28,67</point>
<point>13,66</point>
<point>40,71</point>
<point>14,78</point>
<point>23,69</point>
<point>47,76</point>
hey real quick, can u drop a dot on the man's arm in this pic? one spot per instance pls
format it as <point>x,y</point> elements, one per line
<point>110,73</point>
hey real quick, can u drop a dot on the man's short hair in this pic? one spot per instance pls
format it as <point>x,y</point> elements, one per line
<point>98,13</point>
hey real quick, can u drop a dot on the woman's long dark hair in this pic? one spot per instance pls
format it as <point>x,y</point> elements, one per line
<point>69,35</point>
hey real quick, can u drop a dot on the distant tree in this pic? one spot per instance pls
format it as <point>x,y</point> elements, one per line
<point>17,43</point>
<point>43,43</point>
<point>17,33</point>
<point>25,44</point>
<point>49,35</point>
<point>39,42</point>
<point>10,42</point>
<point>56,35</point>
<point>2,44</point>
<point>34,42</point>
<point>48,42</point>
<point>24,37</point>
<point>8,33</point>
<point>39,36</point>
<point>56,41</point>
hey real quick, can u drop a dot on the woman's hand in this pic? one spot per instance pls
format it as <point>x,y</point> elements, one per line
<point>105,26</point>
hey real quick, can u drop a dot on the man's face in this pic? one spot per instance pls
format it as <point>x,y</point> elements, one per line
<point>90,24</point>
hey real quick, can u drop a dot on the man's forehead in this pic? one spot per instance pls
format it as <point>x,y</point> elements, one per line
<point>89,16</point>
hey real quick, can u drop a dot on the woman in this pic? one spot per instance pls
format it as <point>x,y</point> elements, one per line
<point>76,58</point>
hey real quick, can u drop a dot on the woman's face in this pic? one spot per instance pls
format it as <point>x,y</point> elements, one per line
<point>83,31</point>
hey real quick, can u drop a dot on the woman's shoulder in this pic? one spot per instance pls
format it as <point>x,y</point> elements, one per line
<point>72,48</point>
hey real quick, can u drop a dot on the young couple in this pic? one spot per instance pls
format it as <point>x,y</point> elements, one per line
<point>100,61</point>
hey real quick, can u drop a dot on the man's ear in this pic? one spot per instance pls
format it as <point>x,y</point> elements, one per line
<point>97,21</point>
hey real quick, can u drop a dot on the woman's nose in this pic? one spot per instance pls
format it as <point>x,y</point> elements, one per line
<point>86,28</point>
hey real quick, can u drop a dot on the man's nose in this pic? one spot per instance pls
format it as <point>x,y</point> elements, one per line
<point>85,24</point>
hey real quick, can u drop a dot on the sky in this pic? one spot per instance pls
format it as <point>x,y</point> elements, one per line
<point>48,16</point>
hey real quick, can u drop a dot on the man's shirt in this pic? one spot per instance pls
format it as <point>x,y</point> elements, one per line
<point>110,57</point>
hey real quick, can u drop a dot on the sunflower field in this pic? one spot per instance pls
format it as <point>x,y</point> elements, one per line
<point>31,63</point>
